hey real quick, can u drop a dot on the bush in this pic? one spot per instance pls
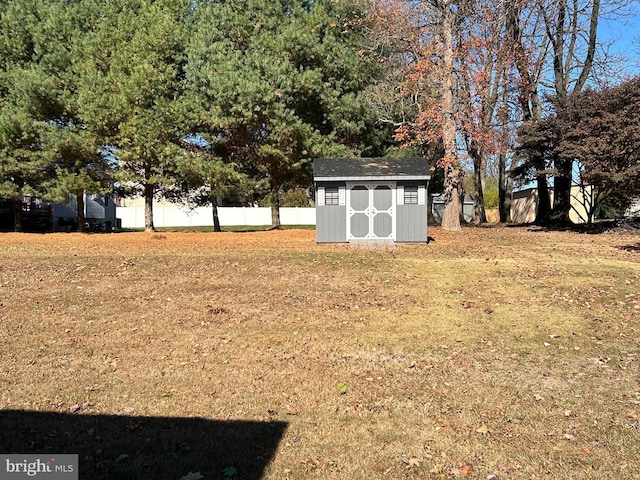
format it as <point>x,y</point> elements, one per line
<point>491,195</point>
<point>612,207</point>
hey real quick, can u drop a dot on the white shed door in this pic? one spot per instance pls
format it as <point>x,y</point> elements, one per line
<point>371,212</point>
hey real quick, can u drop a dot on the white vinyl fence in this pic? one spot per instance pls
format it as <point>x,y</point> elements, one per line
<point>133,217</point>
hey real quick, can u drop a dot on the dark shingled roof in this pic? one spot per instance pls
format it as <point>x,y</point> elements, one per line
<point>359,168</point>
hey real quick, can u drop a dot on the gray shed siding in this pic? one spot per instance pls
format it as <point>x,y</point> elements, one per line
<point>411,220</point>
<point>331,220</point>
<point>331,226</point>
<point>411,223</point>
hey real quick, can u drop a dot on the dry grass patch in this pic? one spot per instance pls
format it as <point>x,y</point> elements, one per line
<point>493,351</point>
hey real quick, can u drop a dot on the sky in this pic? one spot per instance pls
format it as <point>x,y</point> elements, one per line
<point>625,32</point>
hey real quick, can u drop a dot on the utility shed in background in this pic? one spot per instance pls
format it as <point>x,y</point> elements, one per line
<point>371,199</point>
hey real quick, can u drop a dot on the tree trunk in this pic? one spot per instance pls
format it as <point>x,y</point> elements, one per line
<point>479,212</point>
<point>505,180</point>
<point>80,211</point>
<point>562,192</point>
<point>275,212</point>
<point>450,163</point>
<point>543,213</point>
<point>214,211</point>
<point>17,215</point>
<point>148,208</point>
<point>505,189</point>
<point>451,209</point>
<point>461,196</point>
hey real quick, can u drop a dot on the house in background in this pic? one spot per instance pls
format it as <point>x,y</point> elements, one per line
<point>44,216</point>
<point>35,214</point>
<point>634,208</point>
<point>99,213</point>
<point>524,204</point>
<point>377,200</point>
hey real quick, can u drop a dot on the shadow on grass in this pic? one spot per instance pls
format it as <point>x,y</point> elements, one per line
<point>127,447</point>
<point>630,226</point>
<point>631,248</point>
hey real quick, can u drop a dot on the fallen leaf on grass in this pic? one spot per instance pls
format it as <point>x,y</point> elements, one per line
<point>310,463</point>
<point>291,410</point>
<point>507,468</point>
<point>585,451</point>
<point>410,462</point>
<point>483,430</point>
<point>463,470</point>
<point>217,310</point>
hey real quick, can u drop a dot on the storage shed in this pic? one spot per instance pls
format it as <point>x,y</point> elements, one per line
<point>371,199</point>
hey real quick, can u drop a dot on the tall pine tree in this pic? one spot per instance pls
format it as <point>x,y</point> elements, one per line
<point>131,84</point>
<point>282,82</point>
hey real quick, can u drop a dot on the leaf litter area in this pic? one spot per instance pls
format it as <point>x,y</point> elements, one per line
<point>508,353</point>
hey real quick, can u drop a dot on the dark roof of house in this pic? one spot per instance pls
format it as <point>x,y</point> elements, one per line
<point>370,169</point>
